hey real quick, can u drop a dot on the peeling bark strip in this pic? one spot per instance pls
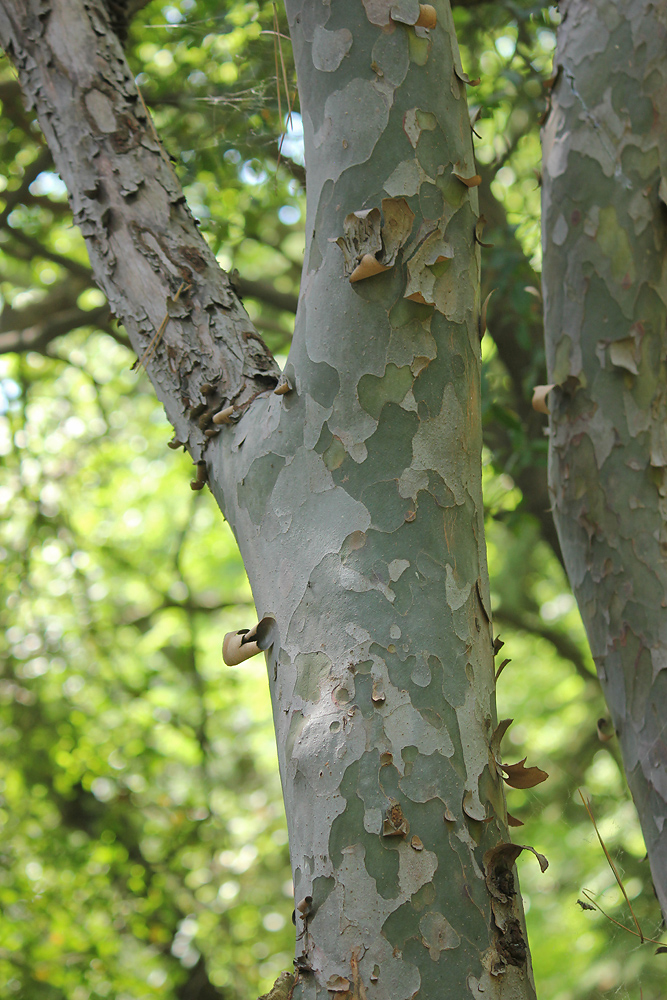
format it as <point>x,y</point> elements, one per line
<point>142,240</point>
<point>356,499</point>
<point>605,285</point>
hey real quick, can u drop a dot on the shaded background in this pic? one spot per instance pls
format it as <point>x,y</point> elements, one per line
<point>143,850</point>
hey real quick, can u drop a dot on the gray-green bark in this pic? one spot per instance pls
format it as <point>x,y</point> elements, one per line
<point>605,186</point>
<point>356,496</point>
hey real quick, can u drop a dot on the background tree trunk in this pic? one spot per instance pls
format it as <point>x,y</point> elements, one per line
<point>605,163</point>
<point>356,496</point>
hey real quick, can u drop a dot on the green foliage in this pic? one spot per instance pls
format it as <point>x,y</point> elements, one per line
<point>144,847</point>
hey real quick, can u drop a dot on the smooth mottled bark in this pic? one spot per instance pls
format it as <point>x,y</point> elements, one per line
<point>605,164</point>
<point>358,510</point>
<point>355,496</point>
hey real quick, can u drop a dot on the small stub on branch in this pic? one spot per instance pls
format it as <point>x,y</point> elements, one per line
<point>223,416</point>
<point>246,642</point>
<point>201,478</point>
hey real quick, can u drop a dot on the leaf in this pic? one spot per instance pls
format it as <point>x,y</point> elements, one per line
<point>518,776</point>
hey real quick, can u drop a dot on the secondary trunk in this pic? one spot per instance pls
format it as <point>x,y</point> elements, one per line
<point>356,495</point>
<point>605,285</point>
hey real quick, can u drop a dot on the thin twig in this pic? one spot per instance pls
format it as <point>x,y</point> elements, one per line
<point>587,807</point>
<point>157,337</point>
<point>644,940</point>
<point>278,49</point>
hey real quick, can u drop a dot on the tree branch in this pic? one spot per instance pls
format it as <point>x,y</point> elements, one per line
<point>38,336</point>
<point>267,293</point>
<point>157,271</point>
<point>564,646</point>
<point>516,329</point>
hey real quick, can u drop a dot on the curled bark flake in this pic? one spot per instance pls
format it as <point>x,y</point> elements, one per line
<point>205,418</point>
<point>605,730</point>
<point>422,282</point>
<point>372,239</point>
<point>470,182</point>
<point>625,353</point>
<point>283,988</point>
<point>395,824</point>
<point>497,736</point>
<point>502,667</point>
<point>338,984</point>
<point>511,943</point>
<point>378,697</point>
<point>479,228</point>
<point>283,386</point>
<point>473,807</point>
<point>464,78</point>
<point>427,16</point>
<point>482,317</point>
<point>241,645</point>
<point>367,267</point>
<point>513,821</point>
<point>540,393</point>
<point>223,416</point>
<point>498,863</point>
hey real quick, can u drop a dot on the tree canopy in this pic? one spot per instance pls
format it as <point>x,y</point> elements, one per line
<point>144,844</point>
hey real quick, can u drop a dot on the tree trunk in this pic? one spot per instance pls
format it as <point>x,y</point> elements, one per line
<point>605,164</point>
<point>356,495</point>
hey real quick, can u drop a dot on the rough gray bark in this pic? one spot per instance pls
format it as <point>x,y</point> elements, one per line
<point>355,496</point>
<point>605,284</point>
<point>142,240</point>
